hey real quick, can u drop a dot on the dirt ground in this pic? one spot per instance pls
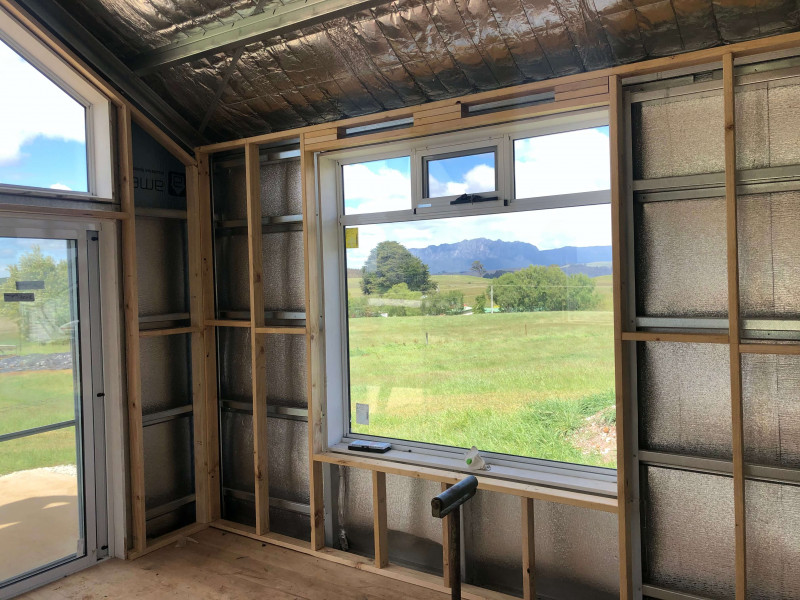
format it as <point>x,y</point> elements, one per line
<point>38,518</point>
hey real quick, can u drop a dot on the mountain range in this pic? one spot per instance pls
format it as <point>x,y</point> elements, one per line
<point>497,255</point>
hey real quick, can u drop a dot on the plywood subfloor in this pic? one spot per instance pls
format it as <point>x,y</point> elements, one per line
<point>219,565</point>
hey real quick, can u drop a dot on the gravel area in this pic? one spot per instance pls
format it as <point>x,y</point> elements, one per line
<point>36,362</point>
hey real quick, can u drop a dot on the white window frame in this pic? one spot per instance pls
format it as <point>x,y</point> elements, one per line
<point>99,153</point>
<point>330,205</point>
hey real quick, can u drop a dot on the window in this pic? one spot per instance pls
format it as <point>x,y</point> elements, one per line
<point>54,126</point>
<point>486,324</point>
<point>377,186</point>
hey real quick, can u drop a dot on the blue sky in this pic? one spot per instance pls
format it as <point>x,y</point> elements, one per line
<point>570,162</point>
<point>43,141</point>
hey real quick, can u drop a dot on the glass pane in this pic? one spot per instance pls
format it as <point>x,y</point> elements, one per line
<point>562,163</point>
<point>43,140</point>
<point>377,186</point>
<point>39,386</point>
<point>466,174</point>
<point>494,331</point>
<point>39,518</point>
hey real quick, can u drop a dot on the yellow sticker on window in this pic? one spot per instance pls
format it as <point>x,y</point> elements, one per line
<point>351,237</point>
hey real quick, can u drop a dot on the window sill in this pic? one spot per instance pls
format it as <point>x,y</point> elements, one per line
<point>526,483</point>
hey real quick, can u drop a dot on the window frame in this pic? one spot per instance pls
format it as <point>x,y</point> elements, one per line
<point>99,152</point>
<point>330,204</point>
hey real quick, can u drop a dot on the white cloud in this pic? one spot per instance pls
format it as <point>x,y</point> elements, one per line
<point>563,163</point>
<point>60,186</point>
<point>479,178</point>
<point>31,105</point>
<point>368,189</point>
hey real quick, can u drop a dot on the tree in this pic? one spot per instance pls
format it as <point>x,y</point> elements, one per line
<point>445,303</point>
<point>51,308</point>
<point>480,304</point>
<point>390,263</point>
<point>544,288</point>
<point>478,268</point>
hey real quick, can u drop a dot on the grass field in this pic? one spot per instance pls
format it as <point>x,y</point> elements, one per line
<point>31,399</point>
<point>519,383</point>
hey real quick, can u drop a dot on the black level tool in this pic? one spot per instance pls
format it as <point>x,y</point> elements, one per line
<point>447,505</point>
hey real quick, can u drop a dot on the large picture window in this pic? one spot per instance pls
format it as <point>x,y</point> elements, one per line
<point>487,326</point>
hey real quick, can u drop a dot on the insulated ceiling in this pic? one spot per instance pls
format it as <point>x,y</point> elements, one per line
<point>402,53</point>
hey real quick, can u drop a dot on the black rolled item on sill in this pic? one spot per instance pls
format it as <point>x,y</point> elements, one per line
<point>454,496</point>
<point>447,505</point>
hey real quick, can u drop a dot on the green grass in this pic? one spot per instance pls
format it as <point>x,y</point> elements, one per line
<point>513,383</point>
<point>32,399</point>
<point>9,336</point>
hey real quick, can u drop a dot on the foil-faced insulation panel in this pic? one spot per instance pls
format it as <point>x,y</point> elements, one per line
<point>281,188</point>
<point>236,447</point>
<point>229,188</point>
<point>163,524</point>
<point>286,371</point>
<point>234,368</point>
<point>415,537</point>
<point>161,255</point>
<point>287,447</point>
<point>681,264</point>
<point>493,542</point>
<point>685,398</point>
<point>231,273</point>
<point>766,124</point>
<point>166,372</point>
<point>677,136</point>
<point>289,523</point>
<point>353,520</point>
<point>773,541</point>
<point>284,271</point>
<point>769,255</point>
<point>577,554</point>
<point>168,461</point>
<point>771,393</point>
<point>688,532</point>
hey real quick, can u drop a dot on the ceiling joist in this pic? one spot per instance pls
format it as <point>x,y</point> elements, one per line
<point>289,17</point>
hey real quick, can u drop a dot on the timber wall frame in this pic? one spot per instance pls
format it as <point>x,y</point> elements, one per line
<point>587,90</point>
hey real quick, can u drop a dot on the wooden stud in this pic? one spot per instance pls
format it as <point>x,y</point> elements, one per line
<point>130,292</point>
<point>737,424</point>
<point>625,445</point>
<point>211,408</point>
<point>282,330</point>
<point>687,338</point>
<point>581,93</point>
<point>528,551</point>
<point>24,209</point>
<point>379,520</point>
<point>315,351</point>
<point>781,349</point>
<point>446,546</point>
<point>148,333</point>
<point>227,322</point>
<point>440,114</point>
<point>257,340</point>
<point>582,84</point>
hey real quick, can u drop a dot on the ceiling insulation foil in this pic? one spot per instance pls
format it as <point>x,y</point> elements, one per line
<point>406,52</point>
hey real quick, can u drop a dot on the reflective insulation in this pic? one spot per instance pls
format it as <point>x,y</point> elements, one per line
<point>403,53</point>
<point>236,465</point>
<point>287,522</point>
<point>234,368</point>
<point>281,188</point>
<point>286,371</point>
<point>287,443</point>
<point>769,255</point>
<point>353,521</point>
<point>675,136</point>
<point>161,258</point>
<point>415,536</point>
<point>168,461</point>
<point>284,271</point>
<point>180,517</point>
<point>229,186</point>
<point>688,532</point>
<point>766,124</point>
<point>166,372</point>
<point>681,266</point>
<point>577,554</point>
<point>685,398</point>
<point>773,541</point>
<point>493,542</point>
<point>771,392</point>
<point>232,278</point>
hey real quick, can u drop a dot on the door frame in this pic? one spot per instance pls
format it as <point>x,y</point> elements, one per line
<point>103,451</point>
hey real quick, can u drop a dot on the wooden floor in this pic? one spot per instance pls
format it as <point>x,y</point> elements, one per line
<point>219,565</point>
